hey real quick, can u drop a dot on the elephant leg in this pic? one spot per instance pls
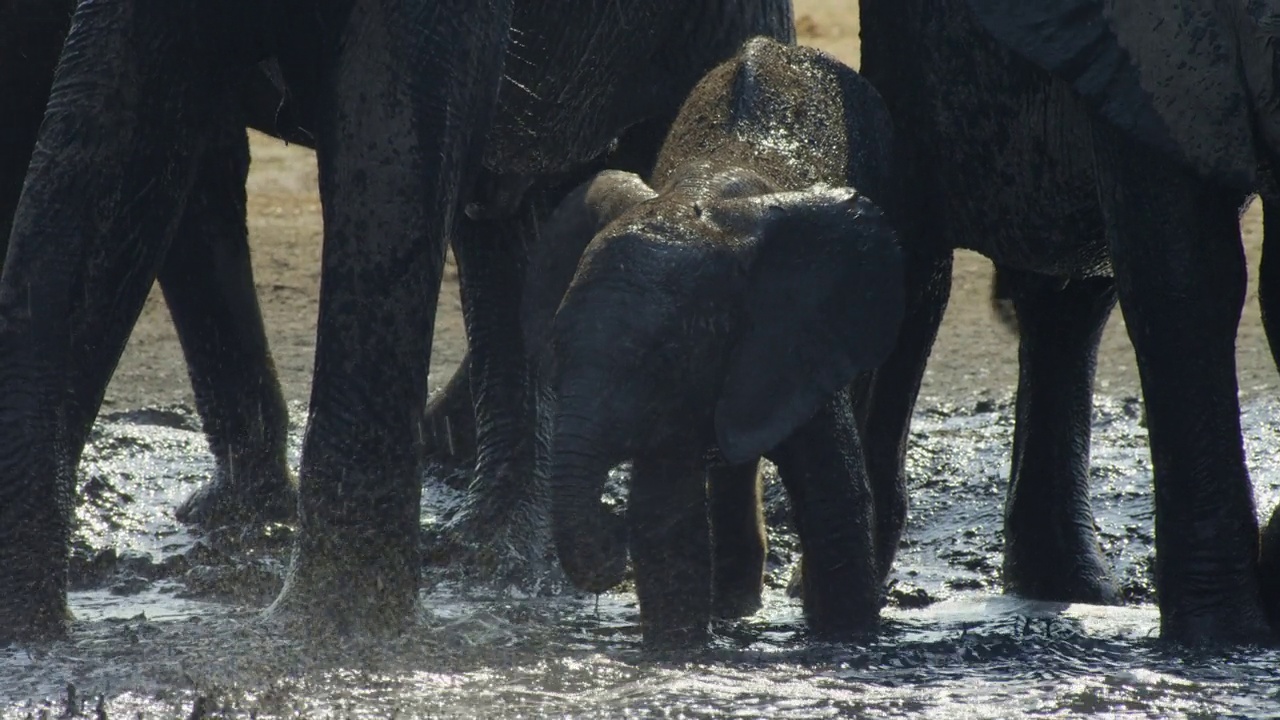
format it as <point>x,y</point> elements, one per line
<point>1180,274</point>
<point>506,505</point>
<point>886,429</point>
<point>737,537</point>
<point>208,285</point>
<point>1269,300</point>
<point>127,121</point>
<point>451,418</point>
<point>822,467</point>
<point>670,543</point>
<point>1051,547</point>
<point>405,104</point>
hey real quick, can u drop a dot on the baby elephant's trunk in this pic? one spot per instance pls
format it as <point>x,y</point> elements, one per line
<point>590,540</point>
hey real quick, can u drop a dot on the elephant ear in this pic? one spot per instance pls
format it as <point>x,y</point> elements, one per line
<point>824,301</point>
<point>1170,75</point>
<point>565,235</point>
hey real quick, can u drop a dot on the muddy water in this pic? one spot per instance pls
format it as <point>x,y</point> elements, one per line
<point>167,622</point>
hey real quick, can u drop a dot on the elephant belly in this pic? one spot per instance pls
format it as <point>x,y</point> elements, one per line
<point>1004,151</point>
<point>1016,159</point>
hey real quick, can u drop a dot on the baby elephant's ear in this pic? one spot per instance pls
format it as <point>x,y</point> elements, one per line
<point>565,236</point>
<point>824,301</point>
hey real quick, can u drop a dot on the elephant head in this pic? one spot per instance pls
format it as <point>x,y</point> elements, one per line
<point>720,313</point>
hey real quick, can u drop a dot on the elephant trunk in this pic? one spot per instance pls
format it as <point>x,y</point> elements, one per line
<point>590,539</point>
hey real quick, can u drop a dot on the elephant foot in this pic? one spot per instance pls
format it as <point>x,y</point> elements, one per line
<point>33,617</point>
<point>838,610</point>
<point>342,586</point>
<point>737,586</point>
<point>676,639</point>
<point>738,602</point>
<point>1046,569</point>
<point>504,538</point>
<point>1227,619</point>
<point>242,494</point>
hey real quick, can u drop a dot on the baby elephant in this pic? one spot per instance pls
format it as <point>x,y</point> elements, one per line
<point>716,316</point>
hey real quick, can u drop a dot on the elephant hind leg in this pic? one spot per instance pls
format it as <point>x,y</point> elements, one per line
<point>738,539</point>
<point>671,549</point>
<point>208,286</point>
<point>1051,547</point>
<point>822,467</point>
<point>1180,272</point>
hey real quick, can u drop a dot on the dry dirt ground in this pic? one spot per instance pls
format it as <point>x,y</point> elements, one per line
<point>973,355</point>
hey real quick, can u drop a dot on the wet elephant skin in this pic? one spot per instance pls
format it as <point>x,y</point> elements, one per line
<point>717,315</point>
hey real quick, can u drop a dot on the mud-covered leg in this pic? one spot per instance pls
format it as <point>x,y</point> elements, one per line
<point>737,537</point>
<point>821,466</point>
<point>505,523</point>
<point>887,427</point>
<point>396,153</point>
<point>208,285</point>
<point>1269,300</point>
<point>670,544</point>
<point>1180,275</point>
<point>1051,547</point>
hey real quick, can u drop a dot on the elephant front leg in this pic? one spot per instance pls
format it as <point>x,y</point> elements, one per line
<point>406,104</point>
<point>671,549</point>
<point>1180,274</point>
<point>125,127</point>
<point>822,467</point>
<point>737,537</point>
<point>506,507</point>
<point>208,286</point>
<point>1051,547</point>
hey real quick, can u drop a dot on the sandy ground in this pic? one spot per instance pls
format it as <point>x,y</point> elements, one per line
<point>973,356</point>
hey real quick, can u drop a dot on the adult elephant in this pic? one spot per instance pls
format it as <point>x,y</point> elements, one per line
<point>400,93</point>
<point>1009,160</point>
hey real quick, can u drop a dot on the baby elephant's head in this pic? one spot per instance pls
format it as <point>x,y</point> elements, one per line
<point>721,312</point>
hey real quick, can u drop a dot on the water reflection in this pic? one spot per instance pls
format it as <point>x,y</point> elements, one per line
<point>957,650</point>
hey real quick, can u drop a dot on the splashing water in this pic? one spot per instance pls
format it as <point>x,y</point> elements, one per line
<point>168,625</point>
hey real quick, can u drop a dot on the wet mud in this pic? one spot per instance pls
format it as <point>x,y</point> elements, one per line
<point>168,623</point>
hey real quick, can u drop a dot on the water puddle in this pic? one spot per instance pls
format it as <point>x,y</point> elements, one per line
<point>169,625</point>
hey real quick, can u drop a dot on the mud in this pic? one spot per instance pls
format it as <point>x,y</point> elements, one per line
<point>169,625</point>
<point>166,621</point>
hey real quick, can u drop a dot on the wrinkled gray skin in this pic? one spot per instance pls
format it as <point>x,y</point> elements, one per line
<point>401,97</point>
<point>718,315</point>
<point>205,276</point>
<point>1013,162</point>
